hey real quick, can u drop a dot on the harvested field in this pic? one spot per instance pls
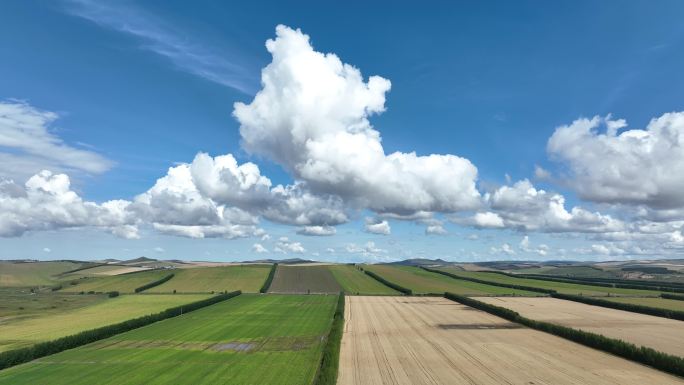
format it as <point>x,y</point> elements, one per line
<point>561,287</point>
<point>663,334</point>
<point>247,278</point>
<point>354,281</point>
<point>429,340</point>
<point>421,281</point>
<point>105,270</point>
<point>20,331</point>
<point>304,279</point>
<point>125,283</point>
<point>14,274</point>
<point>250,339</point>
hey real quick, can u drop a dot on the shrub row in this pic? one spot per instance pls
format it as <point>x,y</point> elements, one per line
<point>608,282</point>
<point>19,356</point>
<point>658,312</point>
<point>113,294</point>
<point>672,296</point>
<point>387,283</point>
<point>83,267</point>
<point>647,356</point>
<point>510,286</point>
<point>269,279</point>
<point>153,284</point>
<point>330,361</point>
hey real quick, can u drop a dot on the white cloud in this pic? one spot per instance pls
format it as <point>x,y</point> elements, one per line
<point>317,230</point>
<point>311,116</point>
<point>284,245</point>
<point>29,145</point>
<point>377,226</point>
<point>435,230</point>
<point>541,174</point>
<point>525,246</point>
<point>46,202</point>
<point>159,249</point>
<point>504,249</point>
<point>259,248</point>
<point>47,250</point>
<point>633,167</point>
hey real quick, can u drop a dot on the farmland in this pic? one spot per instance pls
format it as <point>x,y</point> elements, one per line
<point>247,278</point>
<point>658,333</point>
<point>561,287</point>
<point>26,274</point>
<point>423,340</point>
<point>304,279</point>
<point>662,303</point>
<point>124,283</point>
<point>17,332</point>
<point>421,281</point>
<point>354,281</point>
<point>250,339</point>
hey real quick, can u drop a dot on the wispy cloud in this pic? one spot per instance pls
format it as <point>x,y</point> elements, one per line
<point>225,68</point>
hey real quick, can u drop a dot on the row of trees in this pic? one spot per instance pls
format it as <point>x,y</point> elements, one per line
<point>20,356</point>
<point>269,279</point>
<point>387,283</point>
<point>510,286</point>
<point>153,284</point>
<point>330,360</point>
<point>655,311</point>
<point>659,360</point>
<point>610,282</point>
<point>672,296</point>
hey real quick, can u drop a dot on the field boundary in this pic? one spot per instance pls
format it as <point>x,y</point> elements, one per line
<point>641,354</point>
<point>387,283</point>
<point>485,282</point>
<point>648,310</point>
<point>618,284</point>
<point>672,296</point>
<point>153,284</point>
<point>330,359</point>
<point>269,279</point>
<point>42,349</point>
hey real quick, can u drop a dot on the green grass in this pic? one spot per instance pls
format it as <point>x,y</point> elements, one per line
<point>561,287</point>
<point>21,331</point>
<point>15,303</point>
<point>250,339</point>
<point>124,283</point>
<point>669,304</point>
<point>304,279</point>
<point>247,278</point>
<point>32,273</point>
<point>421,281</point>
<point>579,271</point>
<point>354,281</point>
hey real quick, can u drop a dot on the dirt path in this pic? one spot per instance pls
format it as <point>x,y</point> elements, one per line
<point>427,340</point>
<point>659,333</point>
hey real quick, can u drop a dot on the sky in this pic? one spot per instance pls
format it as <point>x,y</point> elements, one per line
<point>467,131</point>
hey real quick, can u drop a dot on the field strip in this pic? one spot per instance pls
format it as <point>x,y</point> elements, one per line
<point>665,335</point>
<point>304,280</point>
<point>430,340</point>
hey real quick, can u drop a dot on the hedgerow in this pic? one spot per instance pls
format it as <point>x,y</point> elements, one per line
<point>510,286</point>
<point>269,279</point>
<point>651,357</point>
<point>330,360</point>
<point>658,312</point>
<point>153,284</point>
<point>606,282</point>
<point>672,296</point>
<point>42,349</point>
<point>385,282</point>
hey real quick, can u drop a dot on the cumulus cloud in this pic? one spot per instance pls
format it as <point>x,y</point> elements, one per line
<point>29,145</point>
<point>317,230</point>
<point>284,245</point>
<point>504,249</point>
<point>377,226</point>
<point>159,249</point>
<point>259,248</point>
<point>634,166</point>
<point>311,116</point>
<point>46,202</point>
<point>526,246</point>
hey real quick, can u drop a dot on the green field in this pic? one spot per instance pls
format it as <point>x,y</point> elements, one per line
<point>421,281</point>
<point>670,304</point>
<point>354,281</point>
<point>22,330</point>
<point>250,339</point>
<point>27,274</point>
<point>124,283</point>
<point>561,287</point>
<point>304,279</point>
<point>247,278</point>
<point>16,303</point>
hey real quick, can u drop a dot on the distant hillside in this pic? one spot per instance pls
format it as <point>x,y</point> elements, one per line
<point>289,261</point>
<point>420,262</point>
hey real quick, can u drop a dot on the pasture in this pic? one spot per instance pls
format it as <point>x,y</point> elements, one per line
<point>354,281</point>
<point>663,334</point>
<point>561,287</point>
<point>421,281</point>
<point>87,312</point>
<point>250,339</point>
<point>304,279</point>
<point>26,274</point>
<point>124,283</point>
<point>247,278</point>
<point>428,340</point>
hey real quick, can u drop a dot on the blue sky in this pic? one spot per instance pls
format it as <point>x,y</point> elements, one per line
<point>145,86</point>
